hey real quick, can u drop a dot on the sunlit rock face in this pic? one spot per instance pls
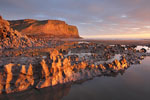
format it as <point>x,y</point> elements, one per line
<point>118,65</point>
<point>9,73</point>
<point>62,71</point>
<point>45,28</point>
<point>1,83</point>
<point>46,80</point>
<point>25,79</point>
<point>61,65</point>
<point>11,80</point>
<point>10,38</point>
<point>54,70</point>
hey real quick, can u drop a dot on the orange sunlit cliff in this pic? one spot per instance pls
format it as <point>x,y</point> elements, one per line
<point>46,28</point>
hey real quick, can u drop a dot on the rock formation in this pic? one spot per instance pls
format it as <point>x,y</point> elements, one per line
<point>10,38</point>
<point>54,70</point>
<point>66,64</point>
<point>46,28</point>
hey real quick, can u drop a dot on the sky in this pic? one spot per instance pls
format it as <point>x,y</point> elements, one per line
<point>94,18</point>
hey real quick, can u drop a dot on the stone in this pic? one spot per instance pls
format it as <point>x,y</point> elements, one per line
<point>8,69</point>
<point>45,68</point>
<point>1,83</point>
<point>10,38</point>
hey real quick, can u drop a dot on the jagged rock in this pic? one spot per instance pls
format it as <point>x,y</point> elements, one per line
<point>46,74</point>
<point>46,28</point>
<point>58,68</point>
<point>10,38</point>
<point>23,69</point>
<point>25,79</point>
<point>1,82</point>
<point>8,69</point>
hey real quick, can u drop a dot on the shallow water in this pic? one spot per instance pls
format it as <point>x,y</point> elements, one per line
<point>116,57</point>
<point>133,84</point>
<point>145,47</point>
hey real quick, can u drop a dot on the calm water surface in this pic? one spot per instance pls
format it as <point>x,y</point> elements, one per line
<point>133,84</point>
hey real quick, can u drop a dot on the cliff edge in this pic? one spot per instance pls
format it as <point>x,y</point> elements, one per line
<point>45,28</point>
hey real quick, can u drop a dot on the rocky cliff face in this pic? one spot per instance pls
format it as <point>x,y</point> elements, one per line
<point>10,38</point>
<point>46,28</point>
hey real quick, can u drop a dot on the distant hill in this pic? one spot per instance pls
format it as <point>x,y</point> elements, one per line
<point>45,28</point>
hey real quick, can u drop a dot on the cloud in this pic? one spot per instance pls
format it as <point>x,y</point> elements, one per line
<point>93,17</point>
<point>147,27</point>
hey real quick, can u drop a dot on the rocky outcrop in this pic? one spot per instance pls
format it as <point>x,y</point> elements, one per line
<point>64,65</point>
<point>10,38</point>
<point>45,28</point>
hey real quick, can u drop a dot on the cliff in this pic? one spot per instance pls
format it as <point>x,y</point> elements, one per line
<point>10,38</point>
<point>46,28</point>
